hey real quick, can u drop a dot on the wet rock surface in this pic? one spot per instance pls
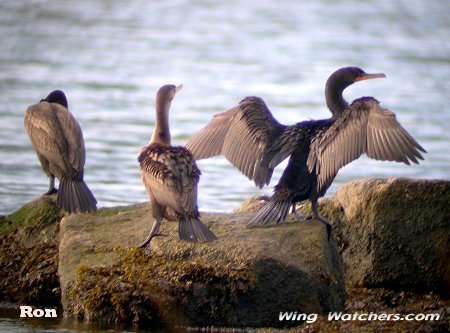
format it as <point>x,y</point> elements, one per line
<point>389,254</point>
<point>243,279</point>
<point>395,233</point>
<point>29,254</point>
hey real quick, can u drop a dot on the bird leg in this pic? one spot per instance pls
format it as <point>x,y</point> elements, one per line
<point>298,216</point>
<point>152,233</point>
<point>51,188</point>
<point>316,215</point>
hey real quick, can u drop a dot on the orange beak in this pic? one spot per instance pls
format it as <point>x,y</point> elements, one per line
<point>178,88</point>
<point>369,76</point>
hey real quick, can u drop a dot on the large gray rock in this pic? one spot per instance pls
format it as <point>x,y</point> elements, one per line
<point>394,233</point>
<point>244,279</point>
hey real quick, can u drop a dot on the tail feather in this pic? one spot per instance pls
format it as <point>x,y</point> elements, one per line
<point>273,212</point>
<point>192,229</point>
<point>75,197</point>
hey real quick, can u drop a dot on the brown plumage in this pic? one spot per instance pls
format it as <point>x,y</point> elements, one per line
<point>59,145</point>
<point>255,143</point>
<point>171,177</point>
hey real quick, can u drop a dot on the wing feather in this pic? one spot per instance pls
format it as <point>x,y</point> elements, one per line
<point>56,136</point>
<point>209,140</point>
<point>73,135</point>
<point>376,144</point>
<point>395,149</point>
<point>243,135</point>
<point>172,176</point>
<point>364,127</point>
<point>292,137</point>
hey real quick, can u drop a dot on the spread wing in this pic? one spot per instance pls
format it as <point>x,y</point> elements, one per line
<point>56,135</point>
<point>243,135</point>
<point>364,127</point>
<point>172,176</point>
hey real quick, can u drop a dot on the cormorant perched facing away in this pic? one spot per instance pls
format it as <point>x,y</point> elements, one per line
<point>171,176</point>
<point>58,142</point>
<point>255,143</point>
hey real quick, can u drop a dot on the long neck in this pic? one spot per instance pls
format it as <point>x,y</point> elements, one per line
<point>335,101</point>
<point>161,133</point>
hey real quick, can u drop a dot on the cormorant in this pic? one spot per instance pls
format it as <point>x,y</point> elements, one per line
<point>255,143</point>
<point>171,176</point>
<point>59,145</point>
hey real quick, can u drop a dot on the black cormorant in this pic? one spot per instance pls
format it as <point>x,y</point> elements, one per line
<point>255,143</point>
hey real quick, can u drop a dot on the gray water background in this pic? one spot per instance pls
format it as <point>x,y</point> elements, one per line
<point>110,57</point>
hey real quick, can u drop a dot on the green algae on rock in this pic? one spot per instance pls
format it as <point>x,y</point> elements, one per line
<point>384,229</point>
<point>35,215</point>
<point>145,288</point>
<point>29,254</point>
<point>243,279</point>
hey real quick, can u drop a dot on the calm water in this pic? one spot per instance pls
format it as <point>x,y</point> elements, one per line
<point>111,56</point>
<point>9,323</point>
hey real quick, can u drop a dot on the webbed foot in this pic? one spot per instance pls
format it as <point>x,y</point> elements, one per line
<point>152,234</point>
<point>51,187</point>
<point>51,191</point>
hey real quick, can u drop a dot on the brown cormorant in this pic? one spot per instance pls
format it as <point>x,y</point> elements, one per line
<point>171,176</point>
<point>255,143</point>
<point>58,142</point>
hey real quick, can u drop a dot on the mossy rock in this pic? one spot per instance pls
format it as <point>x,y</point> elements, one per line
<point>391,234</point>
<point>29,254</point>
<point>35,215</point>
<point>148,289</point>
<point>395,233</point>
<point>243,279</point>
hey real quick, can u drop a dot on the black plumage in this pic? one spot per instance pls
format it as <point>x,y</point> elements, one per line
<point>171,177</point>
<point>255,143</point>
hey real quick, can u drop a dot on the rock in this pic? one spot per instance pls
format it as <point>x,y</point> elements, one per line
<point>29,254</point>
<point>379,301</point>
<point>395,233</point>
<point>392,234</point>
<point>252,205</point>
<point>244,279</point>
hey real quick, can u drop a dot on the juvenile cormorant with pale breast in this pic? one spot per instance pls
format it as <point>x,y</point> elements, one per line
<point>59,145</point>
<point>255,143</point>
<point>171,176</point>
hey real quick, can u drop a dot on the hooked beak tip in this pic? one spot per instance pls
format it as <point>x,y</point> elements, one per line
<point>178,88</point>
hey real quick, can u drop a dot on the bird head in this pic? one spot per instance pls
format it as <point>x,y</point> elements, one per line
<point>167,92</point>
<point>346,76</point>
<point>58,97</point>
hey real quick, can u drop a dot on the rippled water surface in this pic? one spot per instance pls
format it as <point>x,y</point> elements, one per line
<point>111,56</point>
